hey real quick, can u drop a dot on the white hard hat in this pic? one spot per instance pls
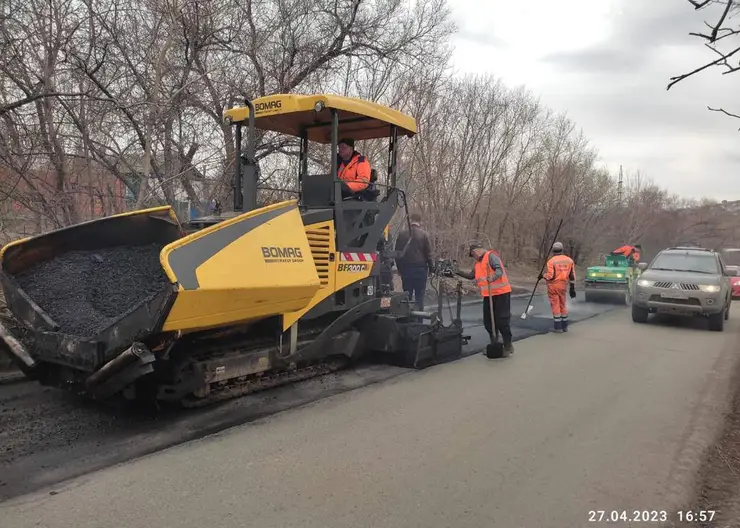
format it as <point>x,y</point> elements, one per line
<point>557,246</point>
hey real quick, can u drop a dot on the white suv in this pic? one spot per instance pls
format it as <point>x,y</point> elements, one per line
<point>685,281</point>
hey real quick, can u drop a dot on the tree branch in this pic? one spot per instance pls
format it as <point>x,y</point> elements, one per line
<point>722,59</point>
<point>4,109</point>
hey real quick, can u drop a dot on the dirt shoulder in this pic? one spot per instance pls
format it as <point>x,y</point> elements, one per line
<point>718,481</point>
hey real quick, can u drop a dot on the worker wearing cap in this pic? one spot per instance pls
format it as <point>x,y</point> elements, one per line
<point>352,168</point>
<point>414,261</point>
<point>561,270</point>
<point>492,281</point>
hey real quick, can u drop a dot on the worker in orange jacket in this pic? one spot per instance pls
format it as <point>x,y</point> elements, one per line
<point>352,168</point>
<point>493,282</point>
<point>561,270</point>
<point>629,251</point>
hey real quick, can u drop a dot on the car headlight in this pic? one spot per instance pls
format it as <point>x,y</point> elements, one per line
<point>709,288</point>
<point>645,283</point>
<point>619,275</point>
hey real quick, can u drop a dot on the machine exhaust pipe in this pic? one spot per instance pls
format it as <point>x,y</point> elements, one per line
<point>245,179</point>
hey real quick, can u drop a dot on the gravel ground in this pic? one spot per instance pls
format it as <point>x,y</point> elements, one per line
<point>86,291</point>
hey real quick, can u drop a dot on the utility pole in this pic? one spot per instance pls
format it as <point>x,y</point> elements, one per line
<point>619,187</point>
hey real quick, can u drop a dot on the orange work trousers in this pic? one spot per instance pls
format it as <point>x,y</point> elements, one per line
<point>556,292</point>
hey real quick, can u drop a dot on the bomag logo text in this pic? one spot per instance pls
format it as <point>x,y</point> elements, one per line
<point>352,268</point>
<point>274,254</point>
<point>266,107</point>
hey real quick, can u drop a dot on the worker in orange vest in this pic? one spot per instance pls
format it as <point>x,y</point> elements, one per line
<point>629,251</point>
<point>493,283</point>
<point>352,168</point>
<point>561,270</point>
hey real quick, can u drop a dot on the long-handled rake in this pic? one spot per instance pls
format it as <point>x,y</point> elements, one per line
<point>529,307</point>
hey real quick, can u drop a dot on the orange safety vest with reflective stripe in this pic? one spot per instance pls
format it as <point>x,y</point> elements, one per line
<point>559,269</point>
<point>484,273</point>
<point>356,173</point>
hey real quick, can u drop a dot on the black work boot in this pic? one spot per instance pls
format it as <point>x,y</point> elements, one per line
<point>565,325</point>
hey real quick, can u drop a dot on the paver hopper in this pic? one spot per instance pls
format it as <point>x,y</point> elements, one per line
<point>90,291</point>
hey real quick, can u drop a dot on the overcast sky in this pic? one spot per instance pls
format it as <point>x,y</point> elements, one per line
<point>607,63</point>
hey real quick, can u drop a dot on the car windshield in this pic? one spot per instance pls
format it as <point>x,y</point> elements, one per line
<point>686,262</point>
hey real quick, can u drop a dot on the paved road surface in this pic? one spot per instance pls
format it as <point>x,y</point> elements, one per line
<point>47,436</point>
<point>611,416</point>
<point>538,321</point>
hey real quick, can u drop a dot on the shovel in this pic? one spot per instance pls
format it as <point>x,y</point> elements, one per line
<point>494,350</point>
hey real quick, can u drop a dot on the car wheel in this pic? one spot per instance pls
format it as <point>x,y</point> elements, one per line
<point>727,311</point>
<point>717,321</point>
<point>627,297</point>
<point>639,315</point>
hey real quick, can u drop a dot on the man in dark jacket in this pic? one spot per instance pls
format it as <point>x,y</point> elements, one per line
<point>415,260</point>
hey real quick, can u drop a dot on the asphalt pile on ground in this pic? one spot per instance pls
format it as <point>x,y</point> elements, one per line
<point>84,292</point>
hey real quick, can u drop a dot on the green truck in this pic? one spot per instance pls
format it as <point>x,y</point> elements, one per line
<point>613,281</point>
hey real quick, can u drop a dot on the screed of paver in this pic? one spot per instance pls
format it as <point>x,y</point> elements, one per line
<point>597,419</point>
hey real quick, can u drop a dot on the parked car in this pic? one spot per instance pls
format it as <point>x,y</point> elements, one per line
<point>735,281</point>
<point>686,281</point>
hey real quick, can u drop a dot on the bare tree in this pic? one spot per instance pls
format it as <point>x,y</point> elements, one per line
<point>722,37</point>
<point>107,105</point>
